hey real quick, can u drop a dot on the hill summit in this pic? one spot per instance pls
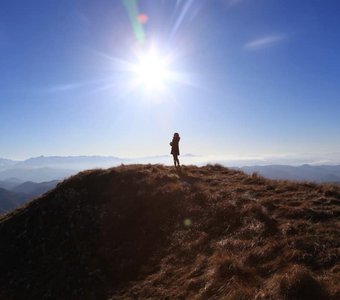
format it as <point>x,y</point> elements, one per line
<point>151,232</point>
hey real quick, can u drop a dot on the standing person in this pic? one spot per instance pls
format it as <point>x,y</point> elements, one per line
<point>175,148</point>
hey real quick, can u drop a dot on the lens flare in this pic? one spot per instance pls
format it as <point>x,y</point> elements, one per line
<point>187,222</point>
<point>142,18</point>
<point>132,10</point>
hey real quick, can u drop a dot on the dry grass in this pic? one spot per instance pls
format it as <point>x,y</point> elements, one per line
<point>150,232</point>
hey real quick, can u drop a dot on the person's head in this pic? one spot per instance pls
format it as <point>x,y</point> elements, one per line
<point>176,135</point>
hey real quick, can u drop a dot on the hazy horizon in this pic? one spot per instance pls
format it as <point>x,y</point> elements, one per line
<point>192,158</point>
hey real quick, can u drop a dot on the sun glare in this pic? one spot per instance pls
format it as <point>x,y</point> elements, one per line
<point>151,71</point>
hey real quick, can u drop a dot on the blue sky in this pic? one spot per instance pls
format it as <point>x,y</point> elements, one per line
<point>262,78</point>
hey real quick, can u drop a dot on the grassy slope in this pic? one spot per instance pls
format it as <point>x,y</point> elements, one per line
<point>151,232</point>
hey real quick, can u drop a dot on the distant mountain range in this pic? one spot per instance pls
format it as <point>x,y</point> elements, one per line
<point>48,168</point>
<point>24,180</point>
<point>10,183</point>
<point>35,189</point>
<point>10,200</point>
<point>13,195</point>
<point>319,174</point>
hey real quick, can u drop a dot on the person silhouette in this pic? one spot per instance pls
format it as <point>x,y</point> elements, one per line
<point>175,148</point>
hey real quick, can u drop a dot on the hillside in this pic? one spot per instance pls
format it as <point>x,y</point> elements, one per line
<point>151,232</point>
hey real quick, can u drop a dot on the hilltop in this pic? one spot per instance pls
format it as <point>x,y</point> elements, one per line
<point>151,232</point>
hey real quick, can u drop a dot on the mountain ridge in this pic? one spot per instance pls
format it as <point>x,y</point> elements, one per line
<point>12,194</point>
<point>306,172</point>
<point>34,188</point>
<point>10,200</point>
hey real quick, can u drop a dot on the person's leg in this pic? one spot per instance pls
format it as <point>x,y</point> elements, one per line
<point>175,159</point>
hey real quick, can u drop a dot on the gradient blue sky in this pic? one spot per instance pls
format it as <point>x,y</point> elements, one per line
<point>264,78</point>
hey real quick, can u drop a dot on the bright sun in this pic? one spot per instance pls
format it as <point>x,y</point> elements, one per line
<point>151,71</point>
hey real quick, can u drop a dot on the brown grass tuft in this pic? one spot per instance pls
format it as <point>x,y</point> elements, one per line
<point>298,283</point>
